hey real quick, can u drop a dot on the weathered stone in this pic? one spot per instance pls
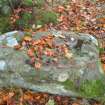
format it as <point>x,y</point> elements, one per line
<point>68,78</point>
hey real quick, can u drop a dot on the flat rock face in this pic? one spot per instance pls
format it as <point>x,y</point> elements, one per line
<point>67,78</point>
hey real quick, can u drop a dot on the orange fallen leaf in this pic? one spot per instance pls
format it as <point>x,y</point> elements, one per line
<point>30,52</point>
<point>60,9</point>
<point>49,52</point>
<point>35,42</point>
<point>37,65</point>
<point>28,97</point>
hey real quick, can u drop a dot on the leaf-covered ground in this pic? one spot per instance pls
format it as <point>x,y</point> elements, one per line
<point>23,97</point>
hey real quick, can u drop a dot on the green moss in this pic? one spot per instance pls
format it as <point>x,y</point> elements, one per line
<point>69,85</point>
<point>88,89</point>
<point>94,88</point>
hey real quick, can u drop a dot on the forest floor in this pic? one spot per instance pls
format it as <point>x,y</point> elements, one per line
<point>24,97</point>
<point>78,21</point>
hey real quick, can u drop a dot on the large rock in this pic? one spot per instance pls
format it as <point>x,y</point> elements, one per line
<point>81,75</point>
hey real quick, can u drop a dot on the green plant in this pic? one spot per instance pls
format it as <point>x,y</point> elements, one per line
<point>4,24</point>
<point>39,3</point>
<point>46,17</point>
<point>49,17</point>
<point>26,17</point>
<point>27,2</point>
<point>101,50</point>
<point>23,22</point>
<point>3,2</point>
<point>69,85</point>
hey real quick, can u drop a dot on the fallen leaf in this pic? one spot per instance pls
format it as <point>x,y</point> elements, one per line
<point>37,65</point>
<point>30,52</point>
<point>27,38</point>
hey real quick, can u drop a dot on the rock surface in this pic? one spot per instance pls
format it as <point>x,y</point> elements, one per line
<point>82,70</point>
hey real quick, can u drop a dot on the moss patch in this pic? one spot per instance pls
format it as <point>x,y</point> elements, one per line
<point>88,89</point>
<point>94,88</point>
<point>69,85</point>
